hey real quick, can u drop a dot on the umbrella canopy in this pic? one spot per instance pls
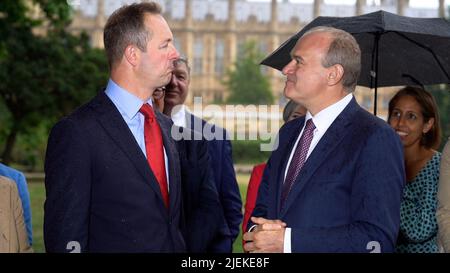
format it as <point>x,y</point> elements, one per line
<point>395,50</point>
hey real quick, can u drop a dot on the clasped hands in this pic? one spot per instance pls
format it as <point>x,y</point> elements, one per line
<point>266,237</point>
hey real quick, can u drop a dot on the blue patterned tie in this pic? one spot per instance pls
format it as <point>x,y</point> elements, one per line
<point>298,159</point>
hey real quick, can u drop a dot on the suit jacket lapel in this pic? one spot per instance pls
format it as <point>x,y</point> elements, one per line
<point>173,159</point>
<point>113,123</point>
<point>329,141</point>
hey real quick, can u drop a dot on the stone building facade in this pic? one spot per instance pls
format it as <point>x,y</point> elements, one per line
<point>210,33</point>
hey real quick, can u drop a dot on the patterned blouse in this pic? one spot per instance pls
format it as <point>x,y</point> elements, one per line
<point>418,226</point>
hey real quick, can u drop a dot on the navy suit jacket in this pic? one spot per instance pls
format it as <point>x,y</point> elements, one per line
<point>347,195</point>
<point>220,153</point>
<point>101,192</point>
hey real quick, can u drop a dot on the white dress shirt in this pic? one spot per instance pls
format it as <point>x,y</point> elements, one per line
<point>178,115</point>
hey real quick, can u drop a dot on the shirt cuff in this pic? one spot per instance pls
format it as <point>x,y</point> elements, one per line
<point>252,228</point>
<point>287,241</point>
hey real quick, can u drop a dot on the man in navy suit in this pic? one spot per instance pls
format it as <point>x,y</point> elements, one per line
<point>219,149</point>
<point>335,182</point>
<point>102,192</point>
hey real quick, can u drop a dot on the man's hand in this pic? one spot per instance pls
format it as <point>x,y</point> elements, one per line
<point>268,236</point>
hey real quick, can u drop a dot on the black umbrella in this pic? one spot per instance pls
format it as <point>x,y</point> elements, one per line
<point>396,50</point>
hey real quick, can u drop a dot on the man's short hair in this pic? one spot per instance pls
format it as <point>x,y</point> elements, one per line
<point>343,50</point>
<point>185,61</point>
<point>126,27</point>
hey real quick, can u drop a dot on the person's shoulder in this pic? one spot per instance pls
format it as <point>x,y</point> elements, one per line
<point>436,159</point>
<point>6,182</point>
<point>294,124</point>
<point>219,132</point>
<point>10,172</point>
<point>207,123</point>
<point>371,124</point>
<point>83,115</point>
<point>8,186</point>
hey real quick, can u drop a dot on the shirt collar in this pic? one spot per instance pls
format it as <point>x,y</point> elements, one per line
<point>325,118</point>
<point>127,103</point>
<point>179,117</point>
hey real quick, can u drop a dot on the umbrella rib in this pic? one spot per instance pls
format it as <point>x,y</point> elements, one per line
<point>426,48</point>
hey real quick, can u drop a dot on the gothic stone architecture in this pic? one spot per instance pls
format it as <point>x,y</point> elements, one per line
<point>210,33</point>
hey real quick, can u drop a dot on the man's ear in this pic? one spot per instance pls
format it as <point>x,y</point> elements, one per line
<point>335,74</point>
<point>132,55</point>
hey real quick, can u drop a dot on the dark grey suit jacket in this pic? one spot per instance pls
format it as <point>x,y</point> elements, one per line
<point>101,192</point>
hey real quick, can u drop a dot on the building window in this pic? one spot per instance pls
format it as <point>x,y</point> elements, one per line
<point>198,56</point>
<point>220,51</point>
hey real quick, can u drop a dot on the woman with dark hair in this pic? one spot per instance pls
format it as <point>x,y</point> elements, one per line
<point>414,116</point>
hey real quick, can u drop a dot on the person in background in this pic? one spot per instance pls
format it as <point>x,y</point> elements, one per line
<point>219,149</point>
<point>22,186</point>
<point>13,234</point>
<point>443,211</point>
<point>291,111</point>
<point>414,116</point>
<point>158,98</point>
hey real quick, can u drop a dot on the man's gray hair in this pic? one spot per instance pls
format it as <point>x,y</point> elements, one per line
<point>185,61</point>
<point>343,50</point>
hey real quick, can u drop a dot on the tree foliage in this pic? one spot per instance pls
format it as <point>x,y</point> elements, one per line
<point>43,77</point>
<point>246,83</point>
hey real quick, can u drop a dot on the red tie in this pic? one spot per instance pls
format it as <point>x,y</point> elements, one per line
<point>154,149</point>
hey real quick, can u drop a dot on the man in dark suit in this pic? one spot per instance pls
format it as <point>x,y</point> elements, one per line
<point>219,149</point>
<point>335,182</point>
<point>110,187</point>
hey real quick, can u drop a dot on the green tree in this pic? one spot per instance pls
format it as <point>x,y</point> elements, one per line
<point>43,77</point>
<point>246,83</point>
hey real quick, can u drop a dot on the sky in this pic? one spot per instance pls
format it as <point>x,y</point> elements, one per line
<point>412,3</point>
